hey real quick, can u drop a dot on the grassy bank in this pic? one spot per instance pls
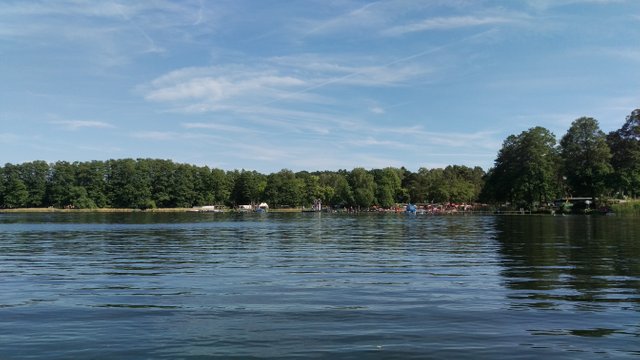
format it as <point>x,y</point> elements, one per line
<point>629,207</point>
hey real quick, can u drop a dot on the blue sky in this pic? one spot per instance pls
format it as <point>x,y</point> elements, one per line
<point>308,85</point>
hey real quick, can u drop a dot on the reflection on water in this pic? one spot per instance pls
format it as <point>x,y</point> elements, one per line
<point>588,263</point>
<point>317,285</point>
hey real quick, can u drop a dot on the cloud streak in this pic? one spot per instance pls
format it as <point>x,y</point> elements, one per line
<point>447,23</point>
<point>81,124</point>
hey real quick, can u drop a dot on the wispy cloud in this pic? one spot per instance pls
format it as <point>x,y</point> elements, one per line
<point>377,110</point>
<point>366,15</point>
<point>370,141</point>
<point>219,84</point>
<point>547,4</point>
<point>172,136</point>
<point>287,92</point>
<point>111,32</point>
<point>624,53</point>
<point>486,139</point>
<point>447,23</point>
<point>79,124</point>
<point>155,135</point>
<point>373,17</point>
<point>218,127</point>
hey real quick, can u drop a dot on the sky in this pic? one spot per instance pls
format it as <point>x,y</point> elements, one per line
<point>308,84</point>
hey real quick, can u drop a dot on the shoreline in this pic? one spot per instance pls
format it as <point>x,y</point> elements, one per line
<point>122,210</point>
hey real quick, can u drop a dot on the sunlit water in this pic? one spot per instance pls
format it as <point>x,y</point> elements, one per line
<point>378,286</point>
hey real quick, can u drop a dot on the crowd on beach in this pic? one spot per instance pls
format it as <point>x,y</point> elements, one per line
<point>429,209</point>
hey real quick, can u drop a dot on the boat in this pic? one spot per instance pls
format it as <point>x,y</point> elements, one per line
<point>410,209</point>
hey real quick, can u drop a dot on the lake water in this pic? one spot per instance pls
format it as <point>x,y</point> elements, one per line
<point>367,286</point>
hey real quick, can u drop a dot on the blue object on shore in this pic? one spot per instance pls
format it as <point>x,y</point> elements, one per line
<point>410,209</point>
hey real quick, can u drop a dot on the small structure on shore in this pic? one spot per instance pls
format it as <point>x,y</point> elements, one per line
<point>263,207</point>
<point>207,208</point>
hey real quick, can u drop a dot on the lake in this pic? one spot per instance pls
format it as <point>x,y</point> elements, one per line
<point>324,286</point>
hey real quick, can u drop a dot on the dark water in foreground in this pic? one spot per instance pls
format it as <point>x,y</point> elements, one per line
<point>198,286</point>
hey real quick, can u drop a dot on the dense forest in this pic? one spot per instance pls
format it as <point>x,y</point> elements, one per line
<point>531,169</point>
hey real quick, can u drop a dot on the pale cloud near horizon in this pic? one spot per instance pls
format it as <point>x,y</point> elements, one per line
<point>80,124</point>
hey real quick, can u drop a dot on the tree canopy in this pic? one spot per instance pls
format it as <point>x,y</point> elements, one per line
<point>526,169</point>
<point>585,158</point>
<point>530,169</point>
<point>150,183</point>
<point>625,160</point>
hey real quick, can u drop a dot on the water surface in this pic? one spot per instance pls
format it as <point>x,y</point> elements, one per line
<point>368,286</point>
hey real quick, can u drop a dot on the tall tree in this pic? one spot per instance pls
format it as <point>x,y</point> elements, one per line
<point>182,186</point>
<point>248,187</point>
<point>221,185</point>
<point>363,186</point>
<point>35,175</point>
<point>625,149</point>
<point>418,186</point>
<point>283,188</point>
<point>91,176</point>
<point>585,157</point>
<point>129,184</point>
<point>15,191</point>
<point>161,173</point>
<point>526,169</point>
<point>336,189</point>
<point>388,186</point>
<point>63,177</point>
<point>312,189</point>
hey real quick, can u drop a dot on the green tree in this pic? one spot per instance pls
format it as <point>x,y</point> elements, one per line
<point>15,191</point>
<point>363,186</point>
<point>335,189</point>
<point>2,188</point>
<point>91,176</point>
<point>418,185</point>
<point>312,189</point>
<point>79,198</point>
<point>221,184</point>
<point>202,189</point>
<point>526,169</point>
<point>129,184</point>
<point>62,180</point>
<point>585,157</point>
<point>283,188</point>
<point>388,186</point>
<point>182,186</point>
<point>161,177</point>
<point>34,175</point>
<point>625,150</point>
<point>248,187</point>
<point>461,183</point>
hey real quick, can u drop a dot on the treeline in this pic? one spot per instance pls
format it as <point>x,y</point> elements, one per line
<point>151,183</point>
<point>532,169</point>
